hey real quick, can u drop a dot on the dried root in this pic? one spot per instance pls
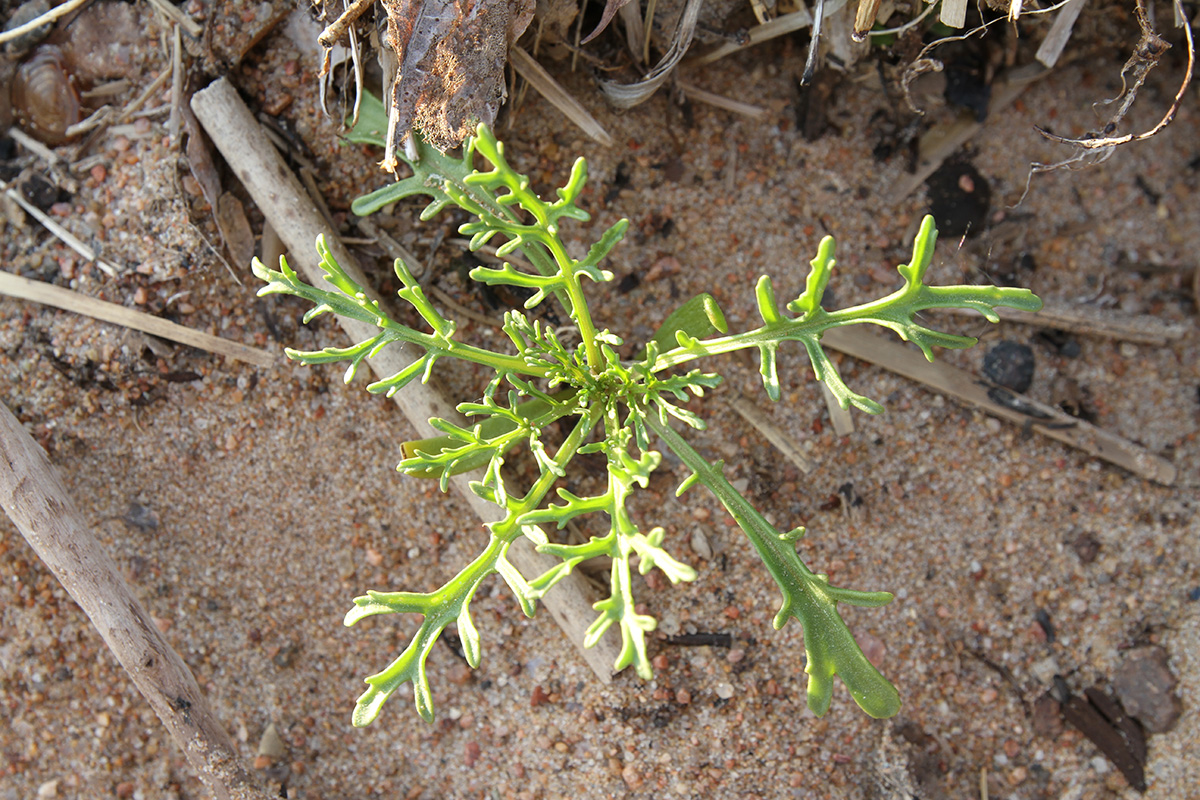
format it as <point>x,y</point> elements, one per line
<point>1098,146</point>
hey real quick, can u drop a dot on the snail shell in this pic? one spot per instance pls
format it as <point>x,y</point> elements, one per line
<point>44,98</point>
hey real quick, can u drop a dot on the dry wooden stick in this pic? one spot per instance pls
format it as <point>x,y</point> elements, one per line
<point>48,294</point>
<point>39,21</point>
<point>239,137</point>
<point>750,412</point>
<point>177,15</point>
<point>842,419</point>
<point>1060,33</point>
<point>720,101</point>
<point>943,140</point>
<point>37,502</point>
<point>999,402</point>
<point>62,234</point>
<point>1091,321</point>
<point>529,69</point>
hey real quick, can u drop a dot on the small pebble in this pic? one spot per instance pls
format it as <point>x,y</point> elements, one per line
<point>724,690</point>
<point>1145,686</point>
<point>48,789</point>
<point>470,753</point>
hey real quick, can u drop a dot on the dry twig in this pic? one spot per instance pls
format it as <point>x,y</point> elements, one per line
<point>1002,403</point>
<point>1150,49</point>
<point>38,504</point>
<point>58,297</point>
<point>39,21</point>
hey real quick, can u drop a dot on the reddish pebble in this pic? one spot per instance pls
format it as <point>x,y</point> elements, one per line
<point>140,296</point>
<point>262,762</point>
<point>732,612</point>
<point>735,656</point>
<point>471,753</point>
<point>61,209</point>
<point>661,661</point>
<point>539,697</point>
<point>98,173</point>
<point>121,144</point>
<point>683,697</point>
<point>125,789</point>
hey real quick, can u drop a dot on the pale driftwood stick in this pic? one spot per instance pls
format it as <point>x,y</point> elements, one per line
<point>48,294</point>
<point>953,13</point>
<point>775,435</point>
<point>38,504</point>
<point>177,15</point>
<point>284,203</point>
<point>62,234</point>
<point>1060,33</point>
<point>39,21</point>
<point>721,101</point>
<point>943,140</point>
<point>1091,321</point>
<point>842,419</point>
<point>529,69</point>
<point>908,361</point>
<point>780,26</point>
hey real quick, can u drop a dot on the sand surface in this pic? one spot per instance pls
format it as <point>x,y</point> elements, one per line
<point>247,507</point>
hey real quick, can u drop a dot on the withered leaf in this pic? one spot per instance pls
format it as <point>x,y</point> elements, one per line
<point>450,72</point>
<point>611,7</point>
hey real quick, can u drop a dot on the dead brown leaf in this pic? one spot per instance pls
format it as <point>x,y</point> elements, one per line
<point>450,72</point>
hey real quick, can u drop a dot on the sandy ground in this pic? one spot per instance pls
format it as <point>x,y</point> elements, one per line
<point>248,506</point>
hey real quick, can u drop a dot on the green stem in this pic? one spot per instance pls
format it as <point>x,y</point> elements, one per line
<point>828,643</point>
<point>581,314</point>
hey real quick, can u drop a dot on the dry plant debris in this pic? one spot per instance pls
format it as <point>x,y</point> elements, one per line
<point>1099,146</point>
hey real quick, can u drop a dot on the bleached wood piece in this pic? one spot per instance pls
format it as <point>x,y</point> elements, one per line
<point>1091,321</point>
<point>943,140</point>
<point>1060,33</point>
<point>775,435</point>
<point>529,69</point>
<point>1019,409</point>
<point>842,419</point>
<point>61,233</point>
<point>38,504</point>
<point>722,102</point>
<point>57,296</point>
<point>274,188</point>
<point>953,13</point>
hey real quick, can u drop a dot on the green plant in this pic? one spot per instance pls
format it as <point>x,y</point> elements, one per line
<point>611,406</point>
